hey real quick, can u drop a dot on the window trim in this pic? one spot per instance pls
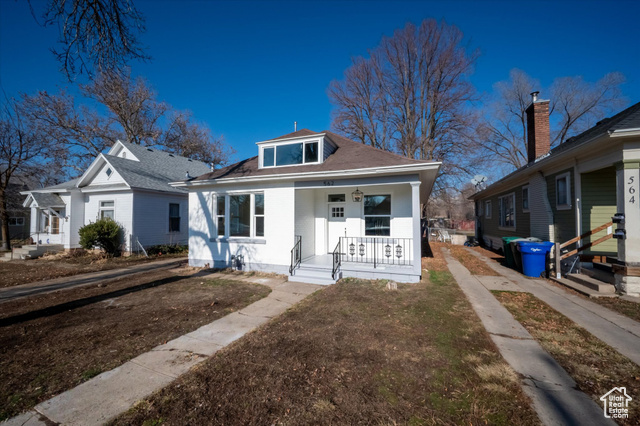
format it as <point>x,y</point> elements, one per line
<point>179,218</point>
<point>526,210</point>
<point>568,205</point>
<point>390,215</point>
<point>304,143</point>
<point>101,209</point>
<point>487,209</point>
<point>227,237</point>
<point>500,215</point>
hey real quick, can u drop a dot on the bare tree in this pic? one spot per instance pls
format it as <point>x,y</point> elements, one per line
<point>575,105</point>
<point>133,114</point>
<point>25,149</point>
<point>412,95</point>
<point>95,35</point>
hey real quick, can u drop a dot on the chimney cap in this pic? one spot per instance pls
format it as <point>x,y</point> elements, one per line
<point>534,96</point>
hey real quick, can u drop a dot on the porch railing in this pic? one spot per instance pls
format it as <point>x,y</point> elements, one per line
<point>296,255</point>
<point>337,261</point>
<point>559,255</point>
<point>377,250</point>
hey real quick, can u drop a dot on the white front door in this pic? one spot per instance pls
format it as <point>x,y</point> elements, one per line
<point>336,225</point>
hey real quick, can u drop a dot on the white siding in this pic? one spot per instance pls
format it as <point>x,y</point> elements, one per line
<point>151,218</point>
<point>123,201</point>
<point>271,253</point>
<point>304,220</point>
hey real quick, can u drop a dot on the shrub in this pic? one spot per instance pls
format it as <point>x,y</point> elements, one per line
<point>104,233</point>
<point>167,249</point>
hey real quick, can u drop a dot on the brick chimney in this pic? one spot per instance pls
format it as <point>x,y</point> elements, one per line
<point>538,135</point>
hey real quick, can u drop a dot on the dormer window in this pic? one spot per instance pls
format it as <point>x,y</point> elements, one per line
<point>290,154</point>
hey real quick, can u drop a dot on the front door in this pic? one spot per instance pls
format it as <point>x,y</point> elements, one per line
<point>336,225</point>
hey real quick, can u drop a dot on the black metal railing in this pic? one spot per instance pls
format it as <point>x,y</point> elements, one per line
<point>337,261</point>
<point>377,250</point>
<point>296,254</point>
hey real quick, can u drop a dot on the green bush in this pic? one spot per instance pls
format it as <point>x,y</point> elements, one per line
<point>167,249</point>
<point>104,233</point>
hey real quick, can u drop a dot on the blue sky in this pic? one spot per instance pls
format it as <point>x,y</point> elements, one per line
<point>249,69</point>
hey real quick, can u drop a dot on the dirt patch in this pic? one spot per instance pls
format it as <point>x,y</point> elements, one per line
<point>474,264</point>
<point>596,367</point>
<point>53,342</point>
<point>17,272</point>
<point>437,261</point>
<point>354,353</point>
<point>621,306</point>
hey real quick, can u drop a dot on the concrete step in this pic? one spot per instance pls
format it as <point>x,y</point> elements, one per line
<point>580,288</point>
<point>33,251</point>
<point>599,274</point>
<point>312,276</point>
<point>592,283</point>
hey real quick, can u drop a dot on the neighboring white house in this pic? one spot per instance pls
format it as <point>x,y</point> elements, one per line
<point>129,184</point>
<point>313,205</point>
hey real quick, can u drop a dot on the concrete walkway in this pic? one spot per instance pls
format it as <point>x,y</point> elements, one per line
<point>616,330</point>
<point>111,393</point>
<point>553,392</point>
<point>41,287</point>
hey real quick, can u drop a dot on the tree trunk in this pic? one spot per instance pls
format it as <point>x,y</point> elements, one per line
<point>4,216</point>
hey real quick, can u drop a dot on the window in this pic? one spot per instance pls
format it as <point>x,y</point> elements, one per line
<point>174,217</point>
<point>107,209</point>
<point>337,213</point>
<point>525,198</point>
<point>240,215</point>
<point>507,218</point>
<point>337,198</point>
<point>55,223</point>
<point>108,172</point>
<point>291,154</point>
<point>487,209</point>
<point>259,214</point>
<point>563,191</point>
<point>124,154</point>
<point>377,215</point>
<point>220,214</point>
<point>16,221</point>
<point>267,157</point>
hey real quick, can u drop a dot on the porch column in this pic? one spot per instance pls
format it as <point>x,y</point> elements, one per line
<point>415,213</point>
<point>628,202</point>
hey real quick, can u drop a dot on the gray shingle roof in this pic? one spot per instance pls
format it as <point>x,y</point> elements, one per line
<point>46,199</point>
<point>169,166</point>
<point>350,155</point>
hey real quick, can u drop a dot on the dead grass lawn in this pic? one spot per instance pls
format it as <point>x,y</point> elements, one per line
<point>53,342</point>
<point>16,272</point>
<point>354,353</point>
<point>595,366</point>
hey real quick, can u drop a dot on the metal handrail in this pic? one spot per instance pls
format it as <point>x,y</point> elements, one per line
<point>296,255</point>
<point>377,250</point>
<point>337,261</point>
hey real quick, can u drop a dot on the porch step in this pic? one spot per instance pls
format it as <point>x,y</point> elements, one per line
<point>313,275</point>
<point>587,285</point>
<point>600,271</point>
<point>33,251</point>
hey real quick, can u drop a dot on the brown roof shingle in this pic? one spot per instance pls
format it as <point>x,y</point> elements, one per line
<point>349,155</point>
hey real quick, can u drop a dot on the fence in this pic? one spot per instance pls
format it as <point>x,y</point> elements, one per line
<point>447,235</point>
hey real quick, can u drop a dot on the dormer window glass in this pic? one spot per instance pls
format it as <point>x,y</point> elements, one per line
<point>291,154</point>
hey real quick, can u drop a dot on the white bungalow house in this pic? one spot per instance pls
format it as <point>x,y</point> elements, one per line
<point>129,184</point>
<point>316,206</point>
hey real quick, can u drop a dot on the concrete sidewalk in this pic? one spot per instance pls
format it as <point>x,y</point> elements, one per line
<point>552,390</point>
<point>616,330</point>
<point>41,287</point>
<point>111,393</point>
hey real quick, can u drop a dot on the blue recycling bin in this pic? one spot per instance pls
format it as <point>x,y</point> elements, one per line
<point>534,257</point>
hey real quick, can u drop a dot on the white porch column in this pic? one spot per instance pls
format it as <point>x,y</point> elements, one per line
<point>417,240</point>
<point>628,202</point>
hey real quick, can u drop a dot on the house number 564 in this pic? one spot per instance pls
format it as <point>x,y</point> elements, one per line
<point>632,189</point>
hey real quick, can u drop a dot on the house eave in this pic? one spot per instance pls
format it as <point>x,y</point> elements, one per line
<point>314,136</point>
<point>311,175</point>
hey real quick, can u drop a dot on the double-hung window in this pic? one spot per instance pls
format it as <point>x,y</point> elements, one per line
<point>525,199</point>
<point>377,215</point>
<point>16,221</point>
<point>487,209</point>
<point>107,210</point>
<point>507,210</point>
<point>174,217</point>
<point>240,215</point>
<point>563,191</point>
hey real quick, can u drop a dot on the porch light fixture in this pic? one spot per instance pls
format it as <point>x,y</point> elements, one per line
<point>357,196</point>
